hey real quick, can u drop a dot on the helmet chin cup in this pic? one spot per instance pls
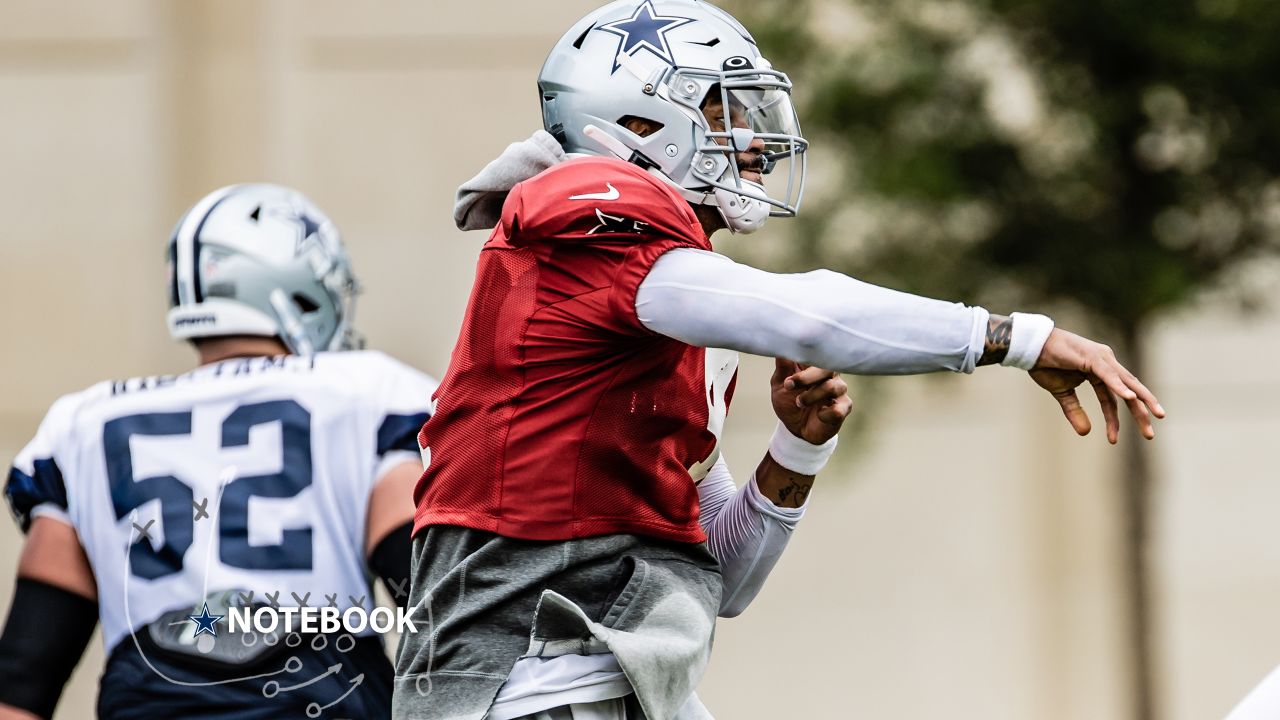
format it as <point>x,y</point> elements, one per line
<point>742,214</point>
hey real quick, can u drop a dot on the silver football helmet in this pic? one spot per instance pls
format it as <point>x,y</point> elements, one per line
<point>261,260</point>
<point>694,72</point>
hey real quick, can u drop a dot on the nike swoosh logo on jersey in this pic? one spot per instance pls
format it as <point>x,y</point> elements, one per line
<point>611,194</point>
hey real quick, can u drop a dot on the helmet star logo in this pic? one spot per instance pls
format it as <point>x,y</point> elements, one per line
<point>645,29</point>
<point>307,227</point>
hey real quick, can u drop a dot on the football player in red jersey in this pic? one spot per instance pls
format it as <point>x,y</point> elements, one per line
<point>559,544</point>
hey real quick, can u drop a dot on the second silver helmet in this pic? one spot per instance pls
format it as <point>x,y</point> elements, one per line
<point>260,259</point>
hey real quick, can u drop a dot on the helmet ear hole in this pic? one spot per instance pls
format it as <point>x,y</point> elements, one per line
<point>641,126</point>
<point>304,303</point>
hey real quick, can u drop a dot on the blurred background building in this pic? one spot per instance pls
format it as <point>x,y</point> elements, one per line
<point>964,556</point>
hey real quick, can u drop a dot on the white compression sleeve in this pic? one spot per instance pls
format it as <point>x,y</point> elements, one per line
<point>821,317</point>
<point>745,532</point>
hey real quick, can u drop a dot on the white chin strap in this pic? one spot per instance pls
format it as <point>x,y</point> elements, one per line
<point>742,214</point>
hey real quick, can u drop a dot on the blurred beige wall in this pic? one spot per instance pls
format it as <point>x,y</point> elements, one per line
<point>965,564</point>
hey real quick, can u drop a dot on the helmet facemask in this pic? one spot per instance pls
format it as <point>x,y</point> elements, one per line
<point>344,288</point>
<point>751,153</point>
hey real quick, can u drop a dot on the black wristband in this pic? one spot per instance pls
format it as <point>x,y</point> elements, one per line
<point>391,561</point>
<point>46,633</point>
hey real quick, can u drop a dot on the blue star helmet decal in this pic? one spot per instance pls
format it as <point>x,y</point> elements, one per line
<point>309,225</point>
<point>645,29</point>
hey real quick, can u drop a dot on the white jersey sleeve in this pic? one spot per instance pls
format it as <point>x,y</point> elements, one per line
<point>820,317</point>
<point>403,400</point>
<point>36,486</point>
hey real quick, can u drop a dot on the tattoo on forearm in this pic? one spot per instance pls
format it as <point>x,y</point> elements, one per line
<point>999,332</point>
<point>781,486</point>
<point>793,494</point>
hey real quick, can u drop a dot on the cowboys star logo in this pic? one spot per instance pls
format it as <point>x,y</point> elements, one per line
<point>616,224</point>
<point>307,225</point>
<point>645,29</point>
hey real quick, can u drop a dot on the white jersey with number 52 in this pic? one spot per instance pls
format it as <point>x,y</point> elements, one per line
<point>250,474</point>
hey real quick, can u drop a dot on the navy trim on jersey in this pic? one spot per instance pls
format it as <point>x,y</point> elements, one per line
<point>400,432</point>
<point>43,485</point>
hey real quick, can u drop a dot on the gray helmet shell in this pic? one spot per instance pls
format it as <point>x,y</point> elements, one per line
<point>260,259</point>
<point>660,60</point>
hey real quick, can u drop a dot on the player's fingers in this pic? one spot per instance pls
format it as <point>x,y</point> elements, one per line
<point>1075,414</point>
<point>782,369</point>
<point>1108,371</point>
<point>836,411</point>
<point>1142,416</point>
<point>808,376</point>
<point>1147,397</point>
<point>1114,374</point>
<point>830,389</point>
<point>1110,411</point>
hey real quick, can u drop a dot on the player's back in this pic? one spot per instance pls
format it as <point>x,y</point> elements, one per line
<point>250,474</point>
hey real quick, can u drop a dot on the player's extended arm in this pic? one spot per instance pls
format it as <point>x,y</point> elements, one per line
<point>748,529</point>
<point>834,321</point>
<point>388,530</point>
<point>50,621</point>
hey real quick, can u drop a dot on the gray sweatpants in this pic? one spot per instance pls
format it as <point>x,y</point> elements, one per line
<point>482,601</point>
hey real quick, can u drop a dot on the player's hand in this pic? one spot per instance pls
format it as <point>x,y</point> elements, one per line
<point>1068,360</point>
<point>811,402</point>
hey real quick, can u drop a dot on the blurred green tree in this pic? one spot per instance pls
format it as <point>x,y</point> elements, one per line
<point>1118,158</point>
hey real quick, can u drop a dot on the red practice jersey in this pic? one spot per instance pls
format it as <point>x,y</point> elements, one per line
<point>561,415</point>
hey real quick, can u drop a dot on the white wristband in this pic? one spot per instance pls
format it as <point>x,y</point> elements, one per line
<point>799,455</point>
<point>1027,339</point>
